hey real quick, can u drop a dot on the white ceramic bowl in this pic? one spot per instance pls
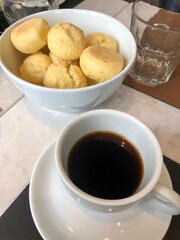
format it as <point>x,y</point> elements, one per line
<point>70,100</point>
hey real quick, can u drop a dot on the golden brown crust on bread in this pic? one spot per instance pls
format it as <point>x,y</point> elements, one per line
<point>66,63</point>
<point>66,41</point>
<point>101,39</point>
<point>30,36</point>
<point>100,63</point>
<point>34,68</point>
<point>59,76</point>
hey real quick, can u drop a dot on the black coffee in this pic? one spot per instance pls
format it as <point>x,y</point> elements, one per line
<point>105,165</point>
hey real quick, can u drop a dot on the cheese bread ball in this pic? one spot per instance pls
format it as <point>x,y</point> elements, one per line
<point>66,63</point>
<point>59,76</point>
<point>30,36</point>
<point>66,41</point>
<point>34,68</point>
<point>100,63</point>
<point>101,39</point>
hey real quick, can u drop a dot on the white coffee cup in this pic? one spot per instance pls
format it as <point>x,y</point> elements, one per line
<point>150,192</point>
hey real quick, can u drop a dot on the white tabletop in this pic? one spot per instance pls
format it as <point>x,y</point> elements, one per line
<point>26,128</point>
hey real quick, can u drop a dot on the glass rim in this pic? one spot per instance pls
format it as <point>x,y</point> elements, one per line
<point>149,24</point>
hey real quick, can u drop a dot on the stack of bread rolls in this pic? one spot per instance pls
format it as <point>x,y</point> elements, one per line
<point>62,56</point>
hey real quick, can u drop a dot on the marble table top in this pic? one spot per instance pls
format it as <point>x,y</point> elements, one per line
<point>26,128</point>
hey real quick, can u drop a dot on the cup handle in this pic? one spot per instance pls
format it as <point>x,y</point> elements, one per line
<point>164,199</point>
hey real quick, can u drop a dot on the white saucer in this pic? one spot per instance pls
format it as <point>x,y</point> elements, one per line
<point>58,216</point>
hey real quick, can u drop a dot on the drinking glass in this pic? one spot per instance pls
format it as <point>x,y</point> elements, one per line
<point>16,9</point>
<point>157,34</point>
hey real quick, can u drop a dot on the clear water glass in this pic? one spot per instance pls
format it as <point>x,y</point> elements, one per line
<point>16,9</point>
<point>157,34</point>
